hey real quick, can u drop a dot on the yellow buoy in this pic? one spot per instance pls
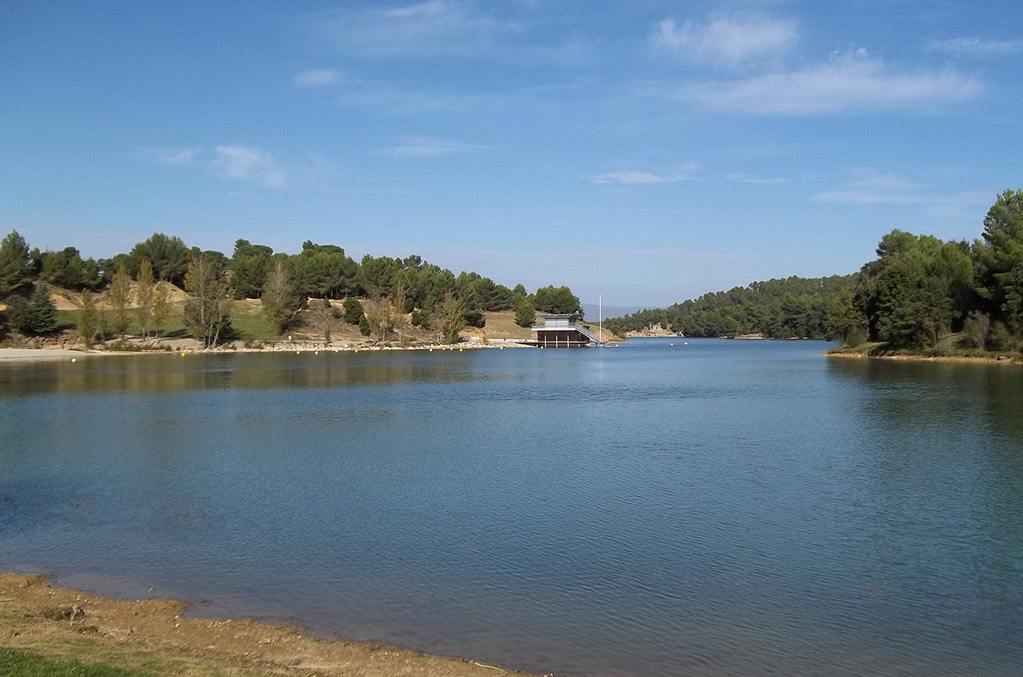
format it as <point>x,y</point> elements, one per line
<point>182,354</point>
<point>316,352</point>
<point>74,359</point>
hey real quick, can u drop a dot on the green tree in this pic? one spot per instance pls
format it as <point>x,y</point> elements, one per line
<point>1000,249</point>
<point>86,320</point>
<point>17,313</point>
<point>119,296</point>
<point>250,265</point>
<point>169,257</point>
<point>208,310</point>
<point>451,320</point>
<point>281,301</point>
<point>161,306</point>
<point>525,314</point>
<point>63,269</point>
<point>845,321</point>
<point>557,300</point>
<point>144,290</point>
<point>42,313</point>
<point>353,311</point>
<point>14,264</point>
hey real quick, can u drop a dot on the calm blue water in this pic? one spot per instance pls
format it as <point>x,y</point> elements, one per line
<point>721,507</point>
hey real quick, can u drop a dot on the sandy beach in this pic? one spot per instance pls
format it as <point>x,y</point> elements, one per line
<point>65,624</point>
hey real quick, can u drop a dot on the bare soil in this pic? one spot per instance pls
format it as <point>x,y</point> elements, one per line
<point>62,624</point>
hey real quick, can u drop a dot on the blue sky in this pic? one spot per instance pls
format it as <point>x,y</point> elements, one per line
<point>647,151</point>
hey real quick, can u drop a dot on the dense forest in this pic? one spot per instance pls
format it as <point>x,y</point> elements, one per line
<point>925,294</point>
<point>784,308</point>
<point>920,294</point>
<point>392,290</point>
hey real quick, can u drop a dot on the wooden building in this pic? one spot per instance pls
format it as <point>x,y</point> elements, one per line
<point>563,331</point>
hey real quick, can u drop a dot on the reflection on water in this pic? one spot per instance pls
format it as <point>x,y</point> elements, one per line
<point>719,507</point>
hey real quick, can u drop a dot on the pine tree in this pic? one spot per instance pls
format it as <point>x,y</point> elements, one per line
<point>42,313</point>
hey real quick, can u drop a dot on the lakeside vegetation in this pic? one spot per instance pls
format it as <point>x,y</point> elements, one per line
<point>784,308</point>
<point>139,293</point>
<point>921,295</point>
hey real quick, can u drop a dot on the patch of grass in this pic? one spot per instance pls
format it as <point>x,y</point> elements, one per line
<point>249,326</point>
<point>20,663</point>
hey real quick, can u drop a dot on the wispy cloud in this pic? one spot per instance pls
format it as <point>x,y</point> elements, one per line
<point>634,177</point>
<point>317,77</point>
<point>428,146</point>
<point>727,42</point>
<point>432,27</point>
<point>977,47</point>
<point>847,82</point>
<point>761,180</point>
<point>890,189</point>
<point>169,155</point>
<point>875,189</point>
<point>248,163</point>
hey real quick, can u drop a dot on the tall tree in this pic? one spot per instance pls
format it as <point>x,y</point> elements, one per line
<point>86,321</point>
<point>281,301</point>
<point>144,290</point>
<point>999,251</point>
<point>161,306</point>
<point>451,321</point>
<point>119,296</point>
<point>208,311</point>
<point>399,316</point>
<point>14,264</point>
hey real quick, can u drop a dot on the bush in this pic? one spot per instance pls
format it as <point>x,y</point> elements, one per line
<point>420,318</point>
<point>17,313</point>
<point>353,312</point>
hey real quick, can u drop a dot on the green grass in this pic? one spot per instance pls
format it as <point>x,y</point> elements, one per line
<point>19,663</point>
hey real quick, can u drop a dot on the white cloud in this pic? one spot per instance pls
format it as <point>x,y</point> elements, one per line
<point>248,163</point>
<point>170,156</point>
<point>761,180</point>
<point>889,189</point>
<point>875,189</point>
<point>854,81</point>
<point>426,146</point>
<point>977,47</point>
<point>317,77</point>
<point>432,27</point>
<point>632,177</point>
<point>724,41</point>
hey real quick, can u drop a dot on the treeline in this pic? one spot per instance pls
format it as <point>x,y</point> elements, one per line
<point>781,308</point>
<point>925,294</point>
<point>411,289</point>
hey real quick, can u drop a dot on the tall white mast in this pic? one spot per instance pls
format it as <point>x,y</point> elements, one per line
<point>600,318</point>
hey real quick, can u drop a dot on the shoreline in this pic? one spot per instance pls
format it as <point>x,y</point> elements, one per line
<point>62,623</point>
<point>71,354</point>
<point>950,359</point>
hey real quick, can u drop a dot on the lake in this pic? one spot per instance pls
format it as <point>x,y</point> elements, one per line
<point>665,507</point>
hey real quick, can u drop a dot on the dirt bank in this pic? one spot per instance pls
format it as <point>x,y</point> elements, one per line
<point>63,624</point>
